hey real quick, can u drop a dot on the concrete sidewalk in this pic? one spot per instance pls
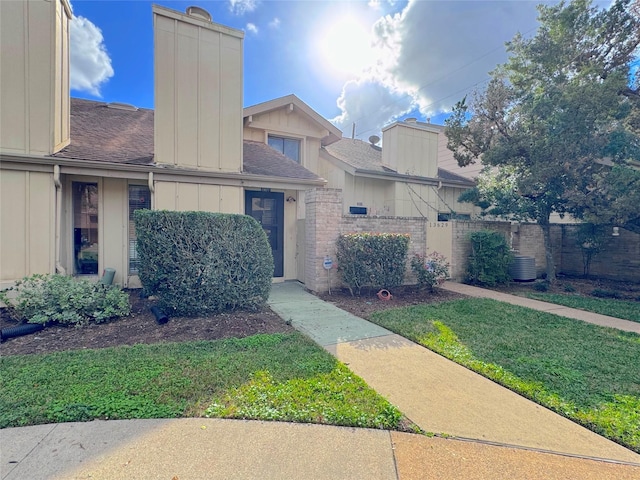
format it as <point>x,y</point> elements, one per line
<point>499,434</point>
<point>595,318</point>
<point>438,395</point>
<point>204,449</point>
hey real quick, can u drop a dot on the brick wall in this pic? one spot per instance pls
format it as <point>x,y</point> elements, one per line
<point>619,260</point>
<point>325,222</point>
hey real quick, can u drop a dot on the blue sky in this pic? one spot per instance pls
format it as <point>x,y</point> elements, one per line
<point>363,62</point>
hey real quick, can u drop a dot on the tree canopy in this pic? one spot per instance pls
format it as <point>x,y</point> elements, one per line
<point>558,126</point>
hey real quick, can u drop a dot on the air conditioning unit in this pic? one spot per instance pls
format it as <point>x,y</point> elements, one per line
<point>523,269</point>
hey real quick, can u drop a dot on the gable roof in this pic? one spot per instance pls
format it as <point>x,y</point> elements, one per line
<point>365,158</point>
<point>293,102</point>
<point>114,133</point>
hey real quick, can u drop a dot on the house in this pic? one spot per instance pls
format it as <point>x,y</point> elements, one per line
<point>402,178</point>
<point>72,171</point>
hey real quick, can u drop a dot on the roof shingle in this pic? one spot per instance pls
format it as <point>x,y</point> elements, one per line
<point>115,135</point>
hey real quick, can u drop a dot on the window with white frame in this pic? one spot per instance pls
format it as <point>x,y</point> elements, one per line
<point>290,147</point>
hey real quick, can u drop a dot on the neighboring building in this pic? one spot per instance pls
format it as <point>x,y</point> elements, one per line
<point>402,178</point>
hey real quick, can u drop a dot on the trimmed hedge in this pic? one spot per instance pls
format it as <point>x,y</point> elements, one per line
<point>376,260</point>
<point>490,259</point>
<point>200,263</point>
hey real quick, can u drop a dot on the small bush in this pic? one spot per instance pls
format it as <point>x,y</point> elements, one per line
<point>541,286</point>
<point>603,293</point>
<point>569,288</point>
<point>376,260</point>
<point>65,300</point>
<point>431,270</point>
<point>490,259</point>
<point>201,263</point>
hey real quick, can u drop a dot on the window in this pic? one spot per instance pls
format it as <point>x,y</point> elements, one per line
<point>139,197</point>
<point>289,147</point>
<point>85,227</point>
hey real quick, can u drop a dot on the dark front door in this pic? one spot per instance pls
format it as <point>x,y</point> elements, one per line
<point>268,209</point>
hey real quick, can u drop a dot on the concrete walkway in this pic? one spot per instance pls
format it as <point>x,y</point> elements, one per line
<point>595,318</point>
<point>499,434</point>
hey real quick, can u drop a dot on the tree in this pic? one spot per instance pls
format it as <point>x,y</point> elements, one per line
<point>559,122</point>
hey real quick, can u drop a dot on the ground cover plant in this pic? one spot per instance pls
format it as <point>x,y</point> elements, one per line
<point>625,309</point>
<point>584,372</point>
<point>302,382</point>
<point>62,299</point>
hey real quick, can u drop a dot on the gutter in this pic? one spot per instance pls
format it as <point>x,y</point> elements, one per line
<point>161,172</point>
<point>58,199</point>
<point>436,182</point>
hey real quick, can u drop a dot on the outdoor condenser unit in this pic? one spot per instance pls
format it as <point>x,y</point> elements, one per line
<point>523,268</point>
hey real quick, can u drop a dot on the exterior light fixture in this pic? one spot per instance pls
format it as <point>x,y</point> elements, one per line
<point>616,232</point>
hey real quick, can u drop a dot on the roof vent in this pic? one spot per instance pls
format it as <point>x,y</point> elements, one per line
<point>199,13</point>
<point>374,139</point>
<point>411,120</point>
<point>122,106</point>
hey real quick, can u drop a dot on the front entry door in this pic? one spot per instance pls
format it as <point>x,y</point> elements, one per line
<point>268,209</point>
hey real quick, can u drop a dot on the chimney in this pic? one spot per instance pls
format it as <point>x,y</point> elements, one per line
<point>411,147</point>
<point>34,76</point>
<point>198,91</point>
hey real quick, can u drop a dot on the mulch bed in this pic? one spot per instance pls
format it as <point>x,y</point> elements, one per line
<point>141,326</point>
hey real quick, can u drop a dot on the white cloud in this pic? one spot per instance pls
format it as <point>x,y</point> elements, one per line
<point>240,7</point>
<point>275,23</point>
<point>369,104</point>
<point>90,64</point>
<point>430,55</point>
<point>252,28</point>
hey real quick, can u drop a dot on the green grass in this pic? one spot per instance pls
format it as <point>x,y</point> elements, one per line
<point>582,371</point>
<point>626,309</point>
<point>284,371</point>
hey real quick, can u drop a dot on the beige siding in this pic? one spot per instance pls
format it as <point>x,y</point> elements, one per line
<point>198,197</point>
<point>334,175</point>
<point>114,224</point>
<point>34,77</point>
<point>198,93</point>
<point>290,237</point>
<point>292,124</point>
<point>374,194</point>
<point>411,149</point>
<point>26,224</point>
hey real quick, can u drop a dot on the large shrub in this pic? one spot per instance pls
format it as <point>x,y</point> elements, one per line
<point>199,263</point>
<point>374,260</point>
<point>65,300</point>
<point>490,259</point>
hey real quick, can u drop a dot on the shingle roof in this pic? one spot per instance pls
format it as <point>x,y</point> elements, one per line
<point>365,156</point>
<point>261,159</point>
<point>117,135</point>
<point>104,134</point>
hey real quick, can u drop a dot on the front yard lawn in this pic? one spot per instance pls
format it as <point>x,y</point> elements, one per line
<point>626,309</point>
<point>587,373</point>
<point>278,376</point>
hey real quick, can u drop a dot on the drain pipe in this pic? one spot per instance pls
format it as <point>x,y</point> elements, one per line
<point>152,189</point>
<point>56,181</point>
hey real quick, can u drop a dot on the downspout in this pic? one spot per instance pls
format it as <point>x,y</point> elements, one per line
<point>56,181</point>
<point>152,190</point>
